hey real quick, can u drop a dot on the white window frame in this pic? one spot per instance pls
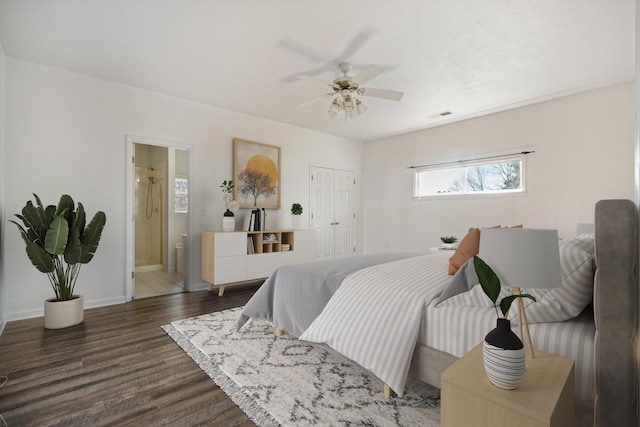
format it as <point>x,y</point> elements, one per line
<point>181,194</point>
<point>464,166</point>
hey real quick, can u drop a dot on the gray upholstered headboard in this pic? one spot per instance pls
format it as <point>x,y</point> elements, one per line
<point>616,313</point>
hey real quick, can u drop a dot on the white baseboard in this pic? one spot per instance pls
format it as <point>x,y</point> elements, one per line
<point>202,286</point>
<point>29,314</point>
<point>104,302</point>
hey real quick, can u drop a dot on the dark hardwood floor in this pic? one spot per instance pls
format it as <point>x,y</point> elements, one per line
<point>117,368</point>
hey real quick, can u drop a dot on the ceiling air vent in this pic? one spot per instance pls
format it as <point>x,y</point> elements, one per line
<point>438,115</point>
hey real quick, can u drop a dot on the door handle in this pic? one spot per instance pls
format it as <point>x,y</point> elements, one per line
<point>335,223</point>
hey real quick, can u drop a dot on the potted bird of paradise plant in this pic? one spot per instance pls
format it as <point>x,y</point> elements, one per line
<point>58,241</point>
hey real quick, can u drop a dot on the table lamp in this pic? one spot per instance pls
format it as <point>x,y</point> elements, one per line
<point>522,258</point>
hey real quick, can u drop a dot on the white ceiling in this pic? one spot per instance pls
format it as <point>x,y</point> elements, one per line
<point>469,57</point>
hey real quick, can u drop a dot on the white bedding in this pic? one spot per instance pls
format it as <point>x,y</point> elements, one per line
<point>379,313</point>
<point>374,317</point>
<point>455,329</point>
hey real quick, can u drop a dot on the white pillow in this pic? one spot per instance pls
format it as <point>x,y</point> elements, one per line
<point>553,305</point>
<point>576,291</point>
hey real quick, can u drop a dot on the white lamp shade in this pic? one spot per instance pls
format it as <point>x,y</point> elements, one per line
<point>524,258</point>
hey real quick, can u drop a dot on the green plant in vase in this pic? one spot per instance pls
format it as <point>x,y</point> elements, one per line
<point>502,350</point>
<point>58,241</point>
<point>296,211</point>
<point>448,241</point>
<point>491,286</point>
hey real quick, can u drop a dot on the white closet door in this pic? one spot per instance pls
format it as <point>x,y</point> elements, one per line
<point>333,212</point>
<point>322,206</point>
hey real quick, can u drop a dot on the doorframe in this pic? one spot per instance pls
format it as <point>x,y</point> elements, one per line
<point>132,139</point>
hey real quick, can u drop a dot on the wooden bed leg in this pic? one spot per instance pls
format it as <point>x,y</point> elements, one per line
<point>279,332</point>
<point>210,287</point>
<point>388,392</point>
<point>221,290</point>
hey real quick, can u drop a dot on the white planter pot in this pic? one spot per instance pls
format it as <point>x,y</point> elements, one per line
<point>63,314</point>
<point>228,221</point>
<point>505,368</point>
<point>296,222</point>
<point>503,355</point>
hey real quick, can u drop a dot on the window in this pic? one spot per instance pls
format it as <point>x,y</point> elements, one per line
<point>181,195</point>
<point>470,177</point>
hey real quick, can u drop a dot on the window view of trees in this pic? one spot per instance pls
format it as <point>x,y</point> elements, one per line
<point>470,179</point>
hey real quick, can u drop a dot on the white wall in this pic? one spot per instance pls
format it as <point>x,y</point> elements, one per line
<point>3,225</point>
<point>584,151</point>
<point>66,133</point>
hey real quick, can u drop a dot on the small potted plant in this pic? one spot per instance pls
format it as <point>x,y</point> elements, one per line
<point>448,241</point>
<point>296,211</point>
<point>231,206</point>
<point>503,351</point>
<point>58,241</point>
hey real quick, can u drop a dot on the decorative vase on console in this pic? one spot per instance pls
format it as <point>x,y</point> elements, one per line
<point>228,218</point>
<point>503,355</point>
<point>502,351</point>
<point>228,221</point>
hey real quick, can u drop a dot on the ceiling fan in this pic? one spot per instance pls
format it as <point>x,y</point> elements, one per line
<point>346,89</point>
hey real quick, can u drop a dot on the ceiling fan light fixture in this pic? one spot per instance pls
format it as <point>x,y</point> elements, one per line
<point>348,104</point>
<point>334,109</point>
<point>345,89</point>
<point>360,107</point>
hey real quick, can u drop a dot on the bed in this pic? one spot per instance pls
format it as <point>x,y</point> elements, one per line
<point>602,338</point>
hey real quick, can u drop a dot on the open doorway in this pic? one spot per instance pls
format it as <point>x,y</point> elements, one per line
<point>158,205</point>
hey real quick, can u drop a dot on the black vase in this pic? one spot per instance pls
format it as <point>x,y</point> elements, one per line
<point>502,336</point>
<point>503,355</point>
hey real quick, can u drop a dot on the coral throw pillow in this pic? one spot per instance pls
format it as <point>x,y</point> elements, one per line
<point>467,249</point>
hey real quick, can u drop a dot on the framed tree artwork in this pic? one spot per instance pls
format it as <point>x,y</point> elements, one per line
<point>256,174</point>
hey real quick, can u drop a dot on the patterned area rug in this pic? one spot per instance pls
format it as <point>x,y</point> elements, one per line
<point>283,381</point>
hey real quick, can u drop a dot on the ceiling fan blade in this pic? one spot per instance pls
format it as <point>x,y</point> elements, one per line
<point>356,43</point>
<point>392,95</point>
<point>367,74</point>
<point>315,80</point>
<point>315,99</point>
<point>302,50</point>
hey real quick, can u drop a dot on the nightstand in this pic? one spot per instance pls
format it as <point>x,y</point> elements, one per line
<point>545,397</point>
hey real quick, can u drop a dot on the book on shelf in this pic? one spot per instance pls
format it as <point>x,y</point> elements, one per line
<point>256,220</point>
<point>250,248</point>
<point>251,221</point>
